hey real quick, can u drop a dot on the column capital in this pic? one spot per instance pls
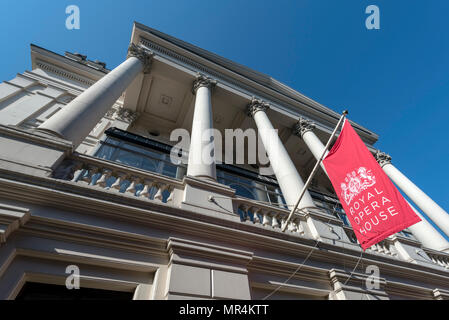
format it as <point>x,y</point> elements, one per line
<point>144,55</point>
<point>256,105</point>
<point>382,158</point>
<point>126,115</point>
<point>302,126</point>
<point>202,81</point>
<point>122,114</point>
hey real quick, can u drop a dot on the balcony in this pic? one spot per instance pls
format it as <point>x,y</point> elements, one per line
<point>128,164</point>
<point>139,167</point>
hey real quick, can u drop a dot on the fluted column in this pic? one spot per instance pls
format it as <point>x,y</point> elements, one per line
<point>75,121</point>
<point>285,171</point>
<point>201,163</point>
<point>423,230</point>
<point>422,200</point>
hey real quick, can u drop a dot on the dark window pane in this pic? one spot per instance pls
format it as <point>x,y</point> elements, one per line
<point>149,164</point>
<point>42,291</point>
<point>105,152</point>
<point>128,158</point>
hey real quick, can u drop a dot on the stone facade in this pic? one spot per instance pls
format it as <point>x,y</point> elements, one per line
<point>193,237</point>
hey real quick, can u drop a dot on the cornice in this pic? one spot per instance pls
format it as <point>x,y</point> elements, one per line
<point>412,291</point>
<point>79,257</point>
<point>71,89</point>
<point>37,137</point>
<point>182,251</point>
<point>60,61</point>
<point>70,196</point>
<point>65,230</point>
<point>172,48</point>
<point>209,185</point>
<point>63,72</point>
<point>440,294</point>
<point>11,219</point>
<point>291,288</point>
<point>355,282</point>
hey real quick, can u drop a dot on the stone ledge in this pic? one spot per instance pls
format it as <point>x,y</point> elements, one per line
<point>11,219</point>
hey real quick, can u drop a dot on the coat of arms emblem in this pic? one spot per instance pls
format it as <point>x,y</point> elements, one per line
<point>356,182</point>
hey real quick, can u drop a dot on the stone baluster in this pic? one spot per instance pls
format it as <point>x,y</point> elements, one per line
<point>274,221</point>
<point>121,177</point>
<point>147,185</point>
<point>159,194</point>
<point>266,219</point>
<point>132,186</point>
<point>102,181</point>
<point>91,170</point>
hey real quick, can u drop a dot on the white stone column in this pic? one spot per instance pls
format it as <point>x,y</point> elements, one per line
<point>422,200</point>
<point>201,144</point>
<point>304,129</point>
<point>428,235</point>
<point>285,171</point>
<point>79,117</point>
<point>423,230</point>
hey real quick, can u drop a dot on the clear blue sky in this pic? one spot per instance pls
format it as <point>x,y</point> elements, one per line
<point>394,81</point>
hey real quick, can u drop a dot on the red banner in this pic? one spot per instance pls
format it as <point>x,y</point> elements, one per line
<point>372,203</point>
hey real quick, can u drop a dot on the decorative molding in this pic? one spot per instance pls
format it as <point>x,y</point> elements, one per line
<point>256,105</point>
<point>302,126</point>
<point>344,282</point>
<point>440,294</point>
<point>383,158</point>
<point>144,55</point>
<point>126,115</point>
<point>177,220</point>
<point>64,73</point>
<point>53,82</point>
<point>122,114</point>
<point>11,218</point>
<point>97,65</point>
<point>203,81</point>
<point>208,185</point>
<point>37,137</point>
<point>200,254</point>
<point>250,90</point>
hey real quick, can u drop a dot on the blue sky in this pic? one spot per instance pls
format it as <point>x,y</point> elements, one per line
<point>394,81</point>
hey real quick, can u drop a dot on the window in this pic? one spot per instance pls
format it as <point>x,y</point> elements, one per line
<point>406,234</point>
<point>43,291</point>
<point>330,205</point>
<point>138,157</point>
<point>252,188</point>
<point>146,154</point>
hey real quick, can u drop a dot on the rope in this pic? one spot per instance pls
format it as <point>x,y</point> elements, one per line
<point>308,255</point>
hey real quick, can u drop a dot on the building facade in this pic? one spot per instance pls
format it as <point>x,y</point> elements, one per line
<point>88,183</point>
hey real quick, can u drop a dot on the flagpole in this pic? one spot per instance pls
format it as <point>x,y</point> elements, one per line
<point>315,169</point>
